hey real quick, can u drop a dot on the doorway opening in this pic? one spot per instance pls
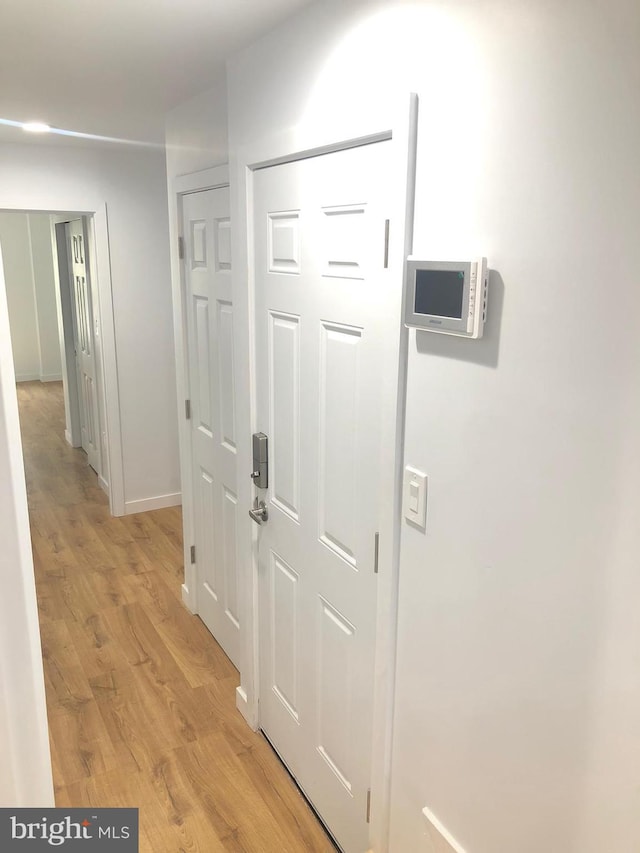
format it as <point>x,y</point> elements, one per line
<point>58,283</point>
<point>48,265</point>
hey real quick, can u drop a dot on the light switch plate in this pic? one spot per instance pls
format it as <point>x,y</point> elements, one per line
<point>415,496</point>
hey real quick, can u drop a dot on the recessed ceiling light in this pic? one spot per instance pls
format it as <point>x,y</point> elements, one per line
<point>36,127</point>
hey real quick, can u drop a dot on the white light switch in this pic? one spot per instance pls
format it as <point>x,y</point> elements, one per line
<point>415,496</point>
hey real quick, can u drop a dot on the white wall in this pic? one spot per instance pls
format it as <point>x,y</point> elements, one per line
<point>31,297</point>
<point>45,293</point>
<point>25,768</point>
<point>517,699</point>
<point>196,131</point>
<point>196,139</point>
<point>16,251</point>
<point>133,185</point>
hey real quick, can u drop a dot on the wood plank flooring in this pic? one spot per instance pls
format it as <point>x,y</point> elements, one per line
<point>140,697</point>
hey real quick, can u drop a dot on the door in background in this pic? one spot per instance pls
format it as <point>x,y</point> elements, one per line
<point>83,332</point>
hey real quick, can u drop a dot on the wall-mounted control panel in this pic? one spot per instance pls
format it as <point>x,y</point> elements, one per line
<point>260,473</point>
<point>414,498</point>
<point>449,297</point>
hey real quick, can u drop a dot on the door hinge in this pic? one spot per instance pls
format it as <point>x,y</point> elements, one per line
<point>181,248</point>
<point>386,244</point>
<point>376,553</point>
<point>369,806</point>
<point>187,409</point>
<point>192,554</point>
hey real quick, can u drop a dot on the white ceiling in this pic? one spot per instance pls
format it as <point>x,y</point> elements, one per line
<point>114,67</point>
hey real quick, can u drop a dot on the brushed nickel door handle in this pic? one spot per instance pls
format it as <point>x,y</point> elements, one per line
<point>259,513</point>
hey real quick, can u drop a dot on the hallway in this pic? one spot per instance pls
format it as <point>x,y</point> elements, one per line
<point>140,697</point>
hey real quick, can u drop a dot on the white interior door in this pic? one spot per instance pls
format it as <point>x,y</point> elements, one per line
<point>209,312</point>
<point>321,299</point>
<point>84,342</point>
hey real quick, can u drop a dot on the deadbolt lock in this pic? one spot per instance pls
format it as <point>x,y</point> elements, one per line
<point>260,473</point>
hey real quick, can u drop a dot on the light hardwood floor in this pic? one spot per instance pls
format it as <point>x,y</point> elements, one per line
<point>140,697</point>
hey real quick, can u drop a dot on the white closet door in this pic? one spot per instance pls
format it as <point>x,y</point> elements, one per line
<point>209,312</point>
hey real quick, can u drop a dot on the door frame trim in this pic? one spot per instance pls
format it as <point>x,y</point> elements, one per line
<point>64,305</point>
<point>206,179</point>
<point>397,122</point>
<point>25,775</point>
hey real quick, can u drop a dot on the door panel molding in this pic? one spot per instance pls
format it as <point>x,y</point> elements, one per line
<point>396,122</point>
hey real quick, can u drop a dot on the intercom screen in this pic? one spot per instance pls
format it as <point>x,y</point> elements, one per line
<point>439,293</point>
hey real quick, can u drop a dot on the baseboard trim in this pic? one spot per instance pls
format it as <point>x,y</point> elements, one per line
<point>69,440</point>
<point>103,484</point>
<point>441,839</point>
<point>242,704</point>
<point>27,377</point>
<point>147,504</point>
<point>51,377</point>
<point>186,599</point>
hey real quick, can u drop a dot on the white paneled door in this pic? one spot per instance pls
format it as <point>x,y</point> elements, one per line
<point>84,342</point>
<point>209,314</point>
<point>322,295</point>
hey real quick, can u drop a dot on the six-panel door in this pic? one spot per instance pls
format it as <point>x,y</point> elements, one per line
<point>321,297</point>
<point>209,313</point>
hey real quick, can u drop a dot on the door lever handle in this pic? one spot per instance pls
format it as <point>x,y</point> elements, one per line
<point>259,513</point>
